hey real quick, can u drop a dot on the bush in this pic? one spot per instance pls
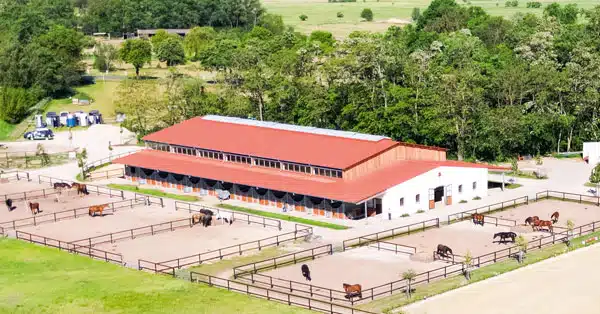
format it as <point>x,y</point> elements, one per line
<point>476,198</point>
<point>367,14</point>
<point>534,5</point>
<point>511,3</point>
<point>303,17</point>
<point>462,201</point>
<point>420,211</point>
<point>340,15</point>
<point>404,215</point>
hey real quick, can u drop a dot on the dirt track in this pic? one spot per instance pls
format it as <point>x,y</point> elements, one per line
<point>560,285</point>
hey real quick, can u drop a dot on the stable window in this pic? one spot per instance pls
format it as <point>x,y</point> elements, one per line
<point>402,201</point>
<point>474,185</point>
<point>418,198</point>
<point>460,188</point>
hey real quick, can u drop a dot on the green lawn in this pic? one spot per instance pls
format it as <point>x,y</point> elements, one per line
<point>521,174</point>
<point>103,94</point>
<point>513,186</point>
<point>6,130</point>
<point>154,192</point>
<point>228,264</point>
<point>323,15</point>
<point>437,287</point>
<point>285,217</point>
<point>36,279</point>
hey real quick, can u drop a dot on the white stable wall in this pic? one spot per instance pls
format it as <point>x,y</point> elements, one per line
<point>592,151</point>
<point>454,176</point>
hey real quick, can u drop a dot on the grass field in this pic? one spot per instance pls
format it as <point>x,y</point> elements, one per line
<point>323,15</point>
<point>154,192</point>
<point>103,94</point>
<point>285,217</point>
<point>36,279</point>
<point>6,130</point>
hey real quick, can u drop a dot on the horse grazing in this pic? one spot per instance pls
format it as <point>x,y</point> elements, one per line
<point>353,291</point>
<point>61,185</point>
<point>201,218</point>
<point>97,209</point>
<point>81,188</point>
<point>531,220</point>
<point>9,204</point>
<point>544,223</point>
<point>34,207</point>
<point>505,235</point>
<point>306,272</point>
<point>554,217</point>
<point>226,217</point>
<point>443,250</point>
<point>478,219</point>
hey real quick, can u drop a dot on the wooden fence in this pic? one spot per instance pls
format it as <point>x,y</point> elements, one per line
<point>96,189</point>
<point>106,174</point>
<point>456,217</point>
<point>14,176</point>
<point>250,219</point>
<point>171,265</point>
<point>101,162</point>
<point>273,295</point>
<point>65,214</point>
<point>390,233</point>
<point>29,159</point>
<point>283,260</point>
<point>71,248</point>
<point>149,199</point>
<point>564,196</point>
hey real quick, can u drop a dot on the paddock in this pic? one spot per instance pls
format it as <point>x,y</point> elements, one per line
<point>366,266</point>
<point>20,186</point>
<point>123,219</point>
<point>183,242</point>
<point>579,213</point>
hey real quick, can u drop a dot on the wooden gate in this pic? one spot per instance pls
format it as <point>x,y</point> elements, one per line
<point>431,198</point>
<point>449,194</point>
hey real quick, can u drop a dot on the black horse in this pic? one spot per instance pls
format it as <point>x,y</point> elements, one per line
<point>9,203</point>
<point>206,220</point>
<point>443,250</point>
<point>306,272</point>
<point>206,212</point>
<point>506,235</point>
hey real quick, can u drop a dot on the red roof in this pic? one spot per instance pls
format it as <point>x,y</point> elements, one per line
<point>299,147</point>
<point>353,191</point>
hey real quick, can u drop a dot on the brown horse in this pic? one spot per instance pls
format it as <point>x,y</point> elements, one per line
<point>531,220</point>
<point>81,188</point>
<point>478,219</point>
<point>97,209</point>
<point>554,217</point>
<point>34,207</point>
<point>353,291</point>
<point>543,223</point>
<point>201,218</point>
<point>444,251</point>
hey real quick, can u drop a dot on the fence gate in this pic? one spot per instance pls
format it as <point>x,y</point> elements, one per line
<point>449,194</point>
<point>431,198</point>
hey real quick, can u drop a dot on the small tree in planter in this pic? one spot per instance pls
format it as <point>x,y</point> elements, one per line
<point>570,227</point>
<point>303,17</point>
<point>409,275</point>
<point>467,263</point>
<point>514,166</point>
<point>595,176</point>
<point>521,243</point>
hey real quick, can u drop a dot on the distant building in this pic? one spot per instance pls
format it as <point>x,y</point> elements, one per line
<point>147,33</point>
<point>323,172</point>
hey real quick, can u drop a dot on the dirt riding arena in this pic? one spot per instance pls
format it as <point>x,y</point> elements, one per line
<point>122,219</point>
<point>20,186</point>
<point>188,241</point>
<point>365,265</point>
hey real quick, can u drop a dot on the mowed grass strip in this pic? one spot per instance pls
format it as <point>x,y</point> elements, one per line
<point>154,192</point>
<point>37,279</point>
<point>285,217</point>
<point>386,305</point>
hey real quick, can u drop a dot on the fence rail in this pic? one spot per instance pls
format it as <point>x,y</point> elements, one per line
<point>149,199</point>
<point>15,175</point>
<point>251,219</point>
<point>104,161</point>
<point>100,190</point>
<point>135,232</point>
<point>568,197</point>
<point>456,217</point>
<point>238,249</point>
<point>63,215</point>
<point>272,295</point>
<point>106,174</point>
<point>70,247</point>
<point>28,159</point>
<point>390,233</point>
<point>282,260</point>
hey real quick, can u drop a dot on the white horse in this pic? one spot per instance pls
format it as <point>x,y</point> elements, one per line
<point>227,217</point>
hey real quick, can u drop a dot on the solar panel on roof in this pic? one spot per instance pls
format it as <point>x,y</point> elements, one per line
<point>295,128</point>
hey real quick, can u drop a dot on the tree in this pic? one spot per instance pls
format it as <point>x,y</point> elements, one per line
<point>104,56</point>
<point>40,152</point>
<point>303,17</point>
<point>467,263</point>
<point>136,52</point>
<point>521,243</point>
<point>197,40</point>
<point>416,14</point>
<point>81,161</point>
<point>144,106</point>
<point>409,276</point>
<point>367,14</point>
<point>595,176</point>
<point>570,226</point>
<point>160,36</point>
<point>171,51</point>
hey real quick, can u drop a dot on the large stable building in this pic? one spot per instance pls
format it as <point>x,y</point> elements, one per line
<point>324,172</point>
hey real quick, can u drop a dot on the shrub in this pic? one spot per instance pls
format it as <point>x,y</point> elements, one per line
<point>416,14</point>
<point>340,15</point>
<point>303,17</point>
<point>420,211</point>
<point>404,215</point>
<point>367,14</point>
<point>511,3</point>
<point>534,5</point>
<point>476,198</point>
<point>462,201</point>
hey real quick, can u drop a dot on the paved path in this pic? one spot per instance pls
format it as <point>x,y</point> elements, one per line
<point>565,284</point>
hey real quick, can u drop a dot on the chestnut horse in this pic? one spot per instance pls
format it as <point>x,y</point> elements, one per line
<point>81,188</point>
<point>531,220</point>
<point>353,291</point>
<point>478,219</point>
<point>543,223</point>
<point>35,207</point>
<point>554,217</point>
<point>97,209</point>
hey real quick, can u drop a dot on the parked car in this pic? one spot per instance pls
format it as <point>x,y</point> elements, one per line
<point>39,134</point>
